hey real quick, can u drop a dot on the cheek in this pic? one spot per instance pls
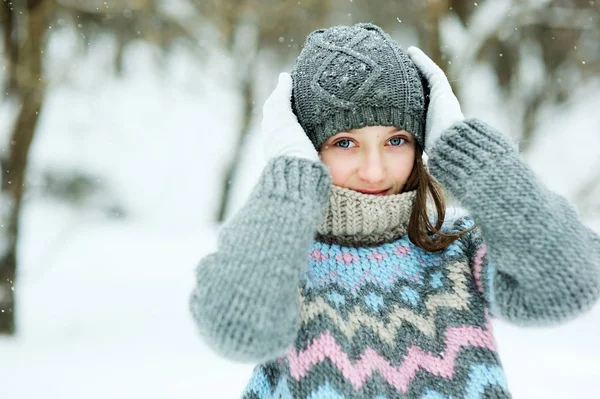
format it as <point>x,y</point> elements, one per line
<point>339,174</point>
<point>402,168</point>
<point>340,168</point>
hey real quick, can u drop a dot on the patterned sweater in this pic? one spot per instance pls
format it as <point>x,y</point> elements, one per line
<point>323,290</point>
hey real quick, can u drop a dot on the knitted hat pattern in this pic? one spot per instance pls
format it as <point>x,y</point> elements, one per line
<point>349,77</point>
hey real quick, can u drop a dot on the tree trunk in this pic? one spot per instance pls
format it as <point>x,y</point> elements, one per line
<point>429,31</point>
<point>30,91</point>
<point>7,19</point>
<point>245,48</point>
<point>230,173</point>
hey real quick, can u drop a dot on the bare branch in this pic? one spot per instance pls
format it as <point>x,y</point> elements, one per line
<point>494,19</point>
<point>104,6</point>
<point>560,18</point>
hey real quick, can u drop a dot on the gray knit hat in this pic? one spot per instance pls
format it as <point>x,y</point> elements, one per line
<point>348,77</point>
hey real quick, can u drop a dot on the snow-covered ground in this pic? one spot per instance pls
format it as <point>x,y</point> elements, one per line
<point>102,304</point>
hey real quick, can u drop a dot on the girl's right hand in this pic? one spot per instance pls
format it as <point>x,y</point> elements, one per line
<point>283,135</point>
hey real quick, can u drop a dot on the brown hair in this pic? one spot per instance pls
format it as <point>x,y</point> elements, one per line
<point>420,229</point>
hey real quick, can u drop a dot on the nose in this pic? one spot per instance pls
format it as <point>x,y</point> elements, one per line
<point>372,169</point>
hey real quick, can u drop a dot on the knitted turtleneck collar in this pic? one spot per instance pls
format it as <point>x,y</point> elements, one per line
<point>357,219</point>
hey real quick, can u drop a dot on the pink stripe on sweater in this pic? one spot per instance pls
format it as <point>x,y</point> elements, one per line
<point>398,376</point>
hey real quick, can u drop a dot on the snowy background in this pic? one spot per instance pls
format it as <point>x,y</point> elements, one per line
<point>102,301</point>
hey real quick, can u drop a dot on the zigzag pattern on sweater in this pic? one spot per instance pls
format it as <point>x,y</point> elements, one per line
<point>371,361</point>
<point>358,319</point>
<point>481,376</point>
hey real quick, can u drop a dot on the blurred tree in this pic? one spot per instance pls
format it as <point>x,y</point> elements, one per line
<point>248,28</point>
<point>24,30</point>
<point>26,25</point>
<point>128,21</point>
<point>560,37</point>
<point>563,35</point>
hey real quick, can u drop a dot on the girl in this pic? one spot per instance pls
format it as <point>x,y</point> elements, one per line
<point>339,280</point>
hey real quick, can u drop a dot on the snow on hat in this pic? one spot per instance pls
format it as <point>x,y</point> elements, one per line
<point>348,77</point>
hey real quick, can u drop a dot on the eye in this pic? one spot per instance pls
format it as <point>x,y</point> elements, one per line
<point>343,143</point>
<point>397,141</point>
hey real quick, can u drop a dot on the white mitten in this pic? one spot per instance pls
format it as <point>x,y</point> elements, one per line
<point>444,108</point>
<point>283,135</point>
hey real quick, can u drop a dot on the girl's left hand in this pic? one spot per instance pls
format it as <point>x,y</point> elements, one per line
<point>444,108</point>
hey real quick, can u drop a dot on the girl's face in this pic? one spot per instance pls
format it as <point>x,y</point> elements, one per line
<point>373,160</point>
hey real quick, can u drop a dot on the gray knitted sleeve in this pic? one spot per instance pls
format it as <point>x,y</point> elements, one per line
<point>245,302</point>
<point>544,264</point>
